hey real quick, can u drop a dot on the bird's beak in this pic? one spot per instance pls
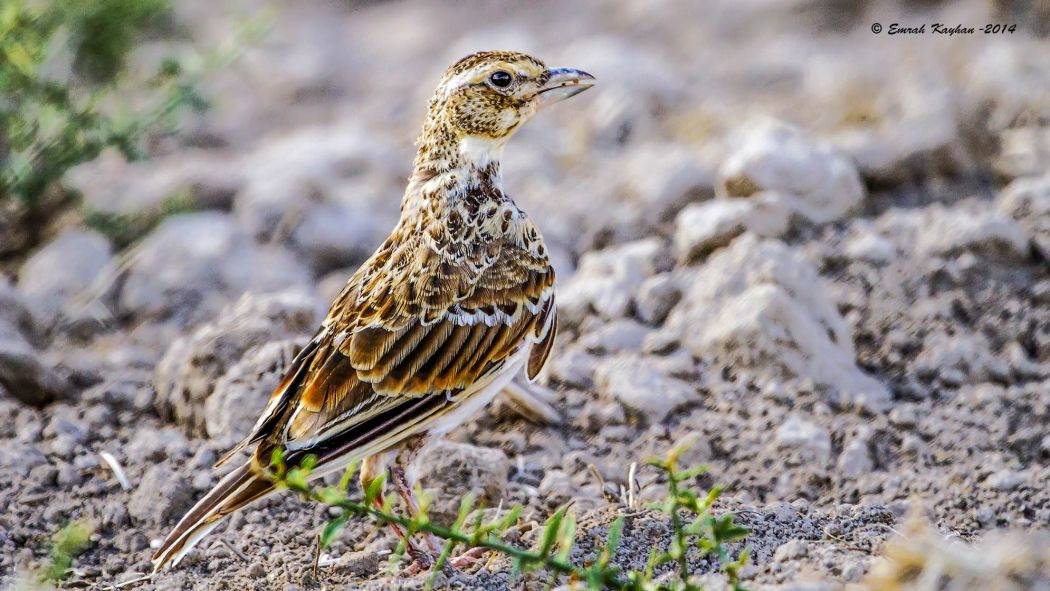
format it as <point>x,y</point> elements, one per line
<point>562,84</point>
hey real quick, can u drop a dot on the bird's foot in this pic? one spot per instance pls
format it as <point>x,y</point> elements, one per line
<point>422,560</point>
<point>468,559</point>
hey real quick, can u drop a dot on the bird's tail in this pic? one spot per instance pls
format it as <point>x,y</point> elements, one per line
<point>237,489</point>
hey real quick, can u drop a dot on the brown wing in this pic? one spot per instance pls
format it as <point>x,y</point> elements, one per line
<point>409,325</point>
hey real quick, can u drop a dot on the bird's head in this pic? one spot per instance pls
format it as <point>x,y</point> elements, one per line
<point>485,97</point>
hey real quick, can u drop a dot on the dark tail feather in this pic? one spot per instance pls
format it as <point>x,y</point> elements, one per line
<point>237,489</point>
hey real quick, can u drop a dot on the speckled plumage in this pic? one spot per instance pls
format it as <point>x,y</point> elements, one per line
<point>457,299</point>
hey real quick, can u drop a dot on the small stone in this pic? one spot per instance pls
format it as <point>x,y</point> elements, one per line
<point>68,475</point>
<point>810,439</point>
<point>606,280</point>
<point>574,367</point>
<point>855,459</point>
<point>257,570</point>
<point>63,269</point>
<point>1005,480</point>
<point>655,298</point>
<point>453,470</point>
<point>619,335</point>
<point>852,572</point>
<point>702,227</point>
<point>642,387</point>
<point>773,155</point>
<point>792,550</point>
<point>161,496</point>
<point>904,416</point>
<point>556,486</point>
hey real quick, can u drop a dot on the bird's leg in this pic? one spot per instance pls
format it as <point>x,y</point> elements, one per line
<point>404,487</point>
<point>371,468</point>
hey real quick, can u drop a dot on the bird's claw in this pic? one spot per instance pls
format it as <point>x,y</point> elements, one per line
<point>468,558</point>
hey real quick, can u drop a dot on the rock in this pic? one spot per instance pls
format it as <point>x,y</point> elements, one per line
<point>662,177</point>
<point>1027,200</point>
<point>606,280</point>
<point>703,227</point>
<point>189,371</point>
<point>195,179</point>
<point>616,336</point>
<point>855,459</point>
<point>194,262</point>
<point>556,487</point>
<point>21,459</point>
<point>959,358</point>
<point>25,374</point>
<point>915,128</point>
<point>332,236</point>
<point>1004,480</point>
<point>940,231</point>
<point>791,550</point>
<point>759,305</point>
<point>16,317</point>
<point>156,445</point>
<point>320,164</point>
<point>452,470</point>
<point>640,386</point>
<point>574,366</point>
<point>811,441</point>
<point>655,298</point>
<point>63,269</point>
<point>162,496</point>
<point>775,156</point>
<point>864,243</point>
<point>242,392</point>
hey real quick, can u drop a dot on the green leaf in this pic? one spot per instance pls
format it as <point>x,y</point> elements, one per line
<point>374,489</point>
<point>331,530</point>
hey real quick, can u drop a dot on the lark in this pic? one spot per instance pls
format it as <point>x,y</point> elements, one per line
<point>456,302</point>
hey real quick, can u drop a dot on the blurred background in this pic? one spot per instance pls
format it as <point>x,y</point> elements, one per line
<point>820,252</point>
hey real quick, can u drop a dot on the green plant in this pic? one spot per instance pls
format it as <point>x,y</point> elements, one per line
<point>65,92</point>
<point>693,527</point>
<point>66,544</point>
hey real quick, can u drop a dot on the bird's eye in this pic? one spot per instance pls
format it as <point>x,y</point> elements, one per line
<point>500,79</point>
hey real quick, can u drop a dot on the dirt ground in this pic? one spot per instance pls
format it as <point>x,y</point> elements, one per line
<point>820,253</point>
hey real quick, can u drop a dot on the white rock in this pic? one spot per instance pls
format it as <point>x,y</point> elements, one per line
<point>606,280</point>
<point>619,335</point>
<point>661,177</point>
<point>655,298</point>
<point>193,257</point>
<point>703,227</point>
<point>944,232</point>
<point>865,244</point>
<point>968,354</point>
<point>192,366</point>
<point>450,471</point>
<point>111,184</point>
<point>241,393</point>
<point>855,459</point>
<point>761,305</point>
<point>1028,201</point>
<point>333,236</point>
<point>775,156</point>
<point>810,439</point>
<point>1004,480</point>
<point>63,269</point>
<point>638,384</point>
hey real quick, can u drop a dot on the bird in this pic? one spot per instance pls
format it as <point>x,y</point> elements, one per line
<point>455,303</point>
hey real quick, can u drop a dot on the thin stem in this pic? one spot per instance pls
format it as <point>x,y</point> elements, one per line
<point>488,541</point>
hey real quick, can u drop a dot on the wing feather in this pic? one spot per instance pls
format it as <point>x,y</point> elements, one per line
<point>413,324</point>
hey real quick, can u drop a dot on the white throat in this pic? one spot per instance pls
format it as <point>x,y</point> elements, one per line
<point>481,151</point>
